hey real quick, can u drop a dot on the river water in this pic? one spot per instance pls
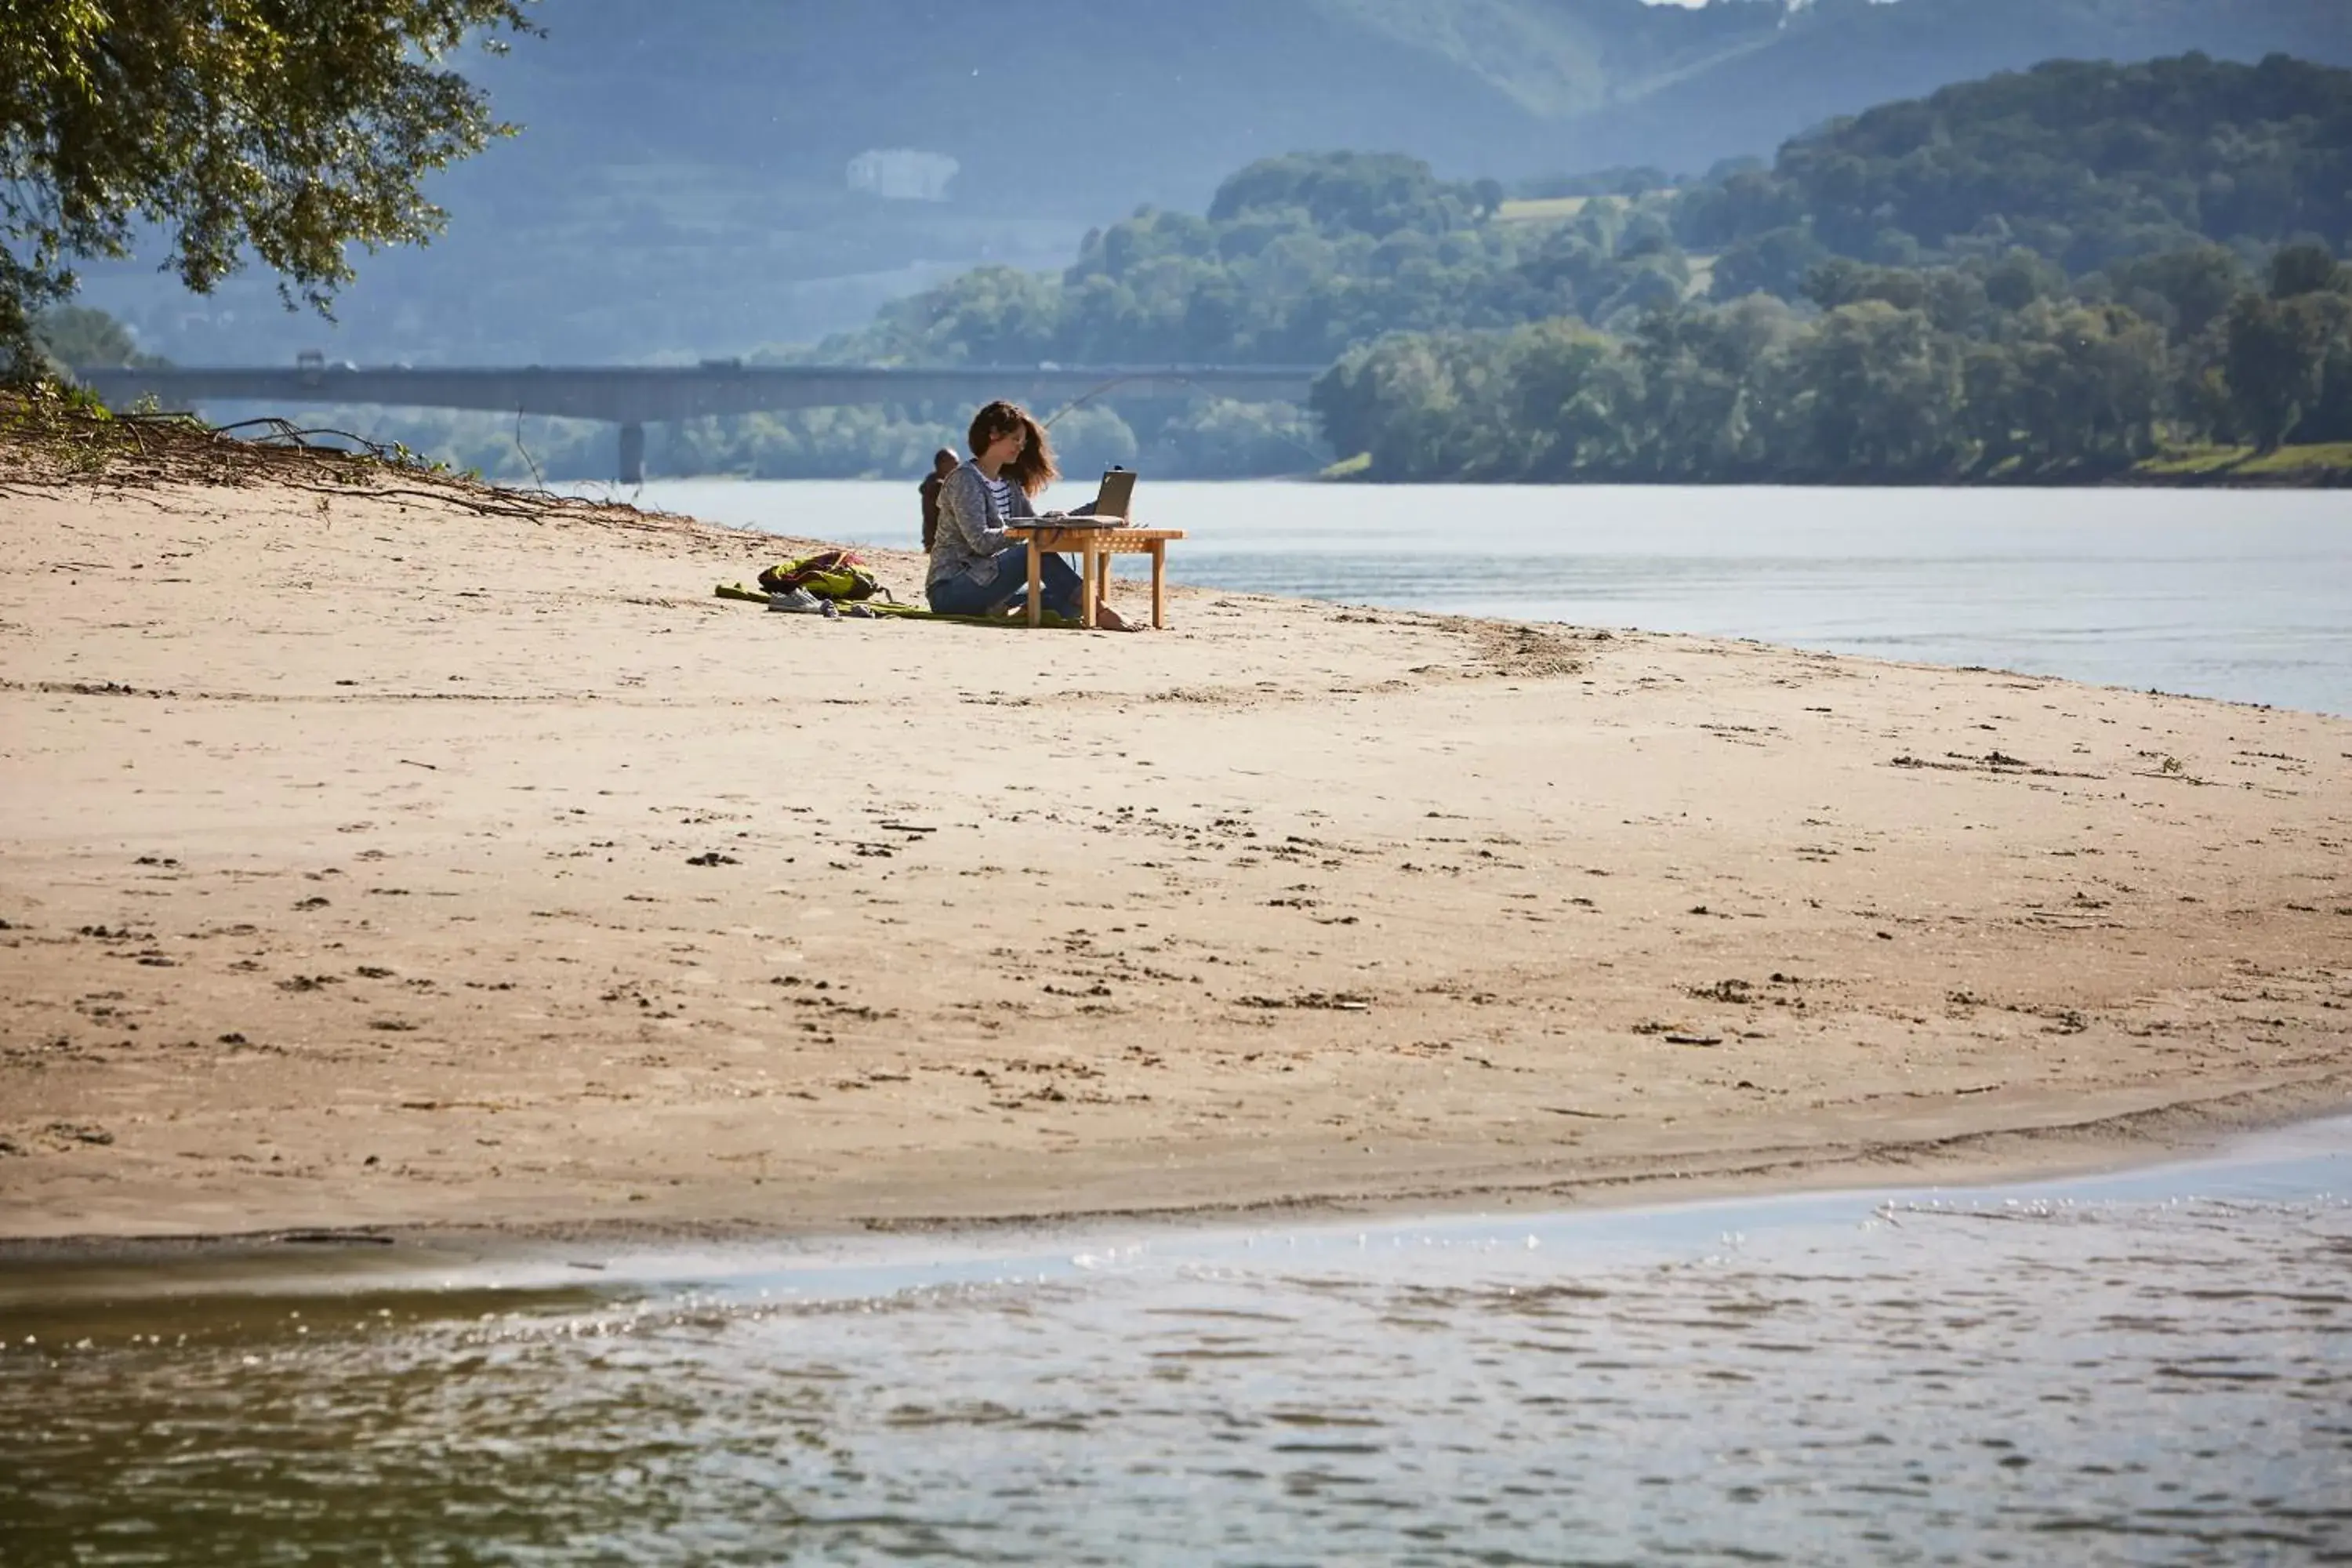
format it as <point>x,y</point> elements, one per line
<point>2240,594</point>
<point>2154,1367</point>
<point>2147,1368</point>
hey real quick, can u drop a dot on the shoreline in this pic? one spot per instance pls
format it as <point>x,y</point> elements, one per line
<point>73,1273</point>
<point>2317,479</point>
<point>2326,467</point>
<point>395,854</point>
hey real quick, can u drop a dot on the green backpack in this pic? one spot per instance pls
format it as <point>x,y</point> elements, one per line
<point>828,574</point>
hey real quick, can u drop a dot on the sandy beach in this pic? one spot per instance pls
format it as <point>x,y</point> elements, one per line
<point>384,853</point>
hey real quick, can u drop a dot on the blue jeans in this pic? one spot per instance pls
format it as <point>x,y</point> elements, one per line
<point>963,596</point>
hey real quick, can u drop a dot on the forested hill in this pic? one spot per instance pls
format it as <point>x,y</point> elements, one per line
<point>2081,163</point>
<point>2051,273</point>
<point>1839,56</point>
<point>2070,168</point>
<point>684,180</point>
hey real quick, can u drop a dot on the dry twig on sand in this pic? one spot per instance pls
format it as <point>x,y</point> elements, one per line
<point>49,436</point>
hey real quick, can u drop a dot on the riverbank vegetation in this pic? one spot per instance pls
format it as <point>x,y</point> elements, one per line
<point>1984,371</point>
<point>2317,463</point>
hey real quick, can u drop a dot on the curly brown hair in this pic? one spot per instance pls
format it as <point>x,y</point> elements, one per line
<point>991,421</point>
<point>1034,469</point>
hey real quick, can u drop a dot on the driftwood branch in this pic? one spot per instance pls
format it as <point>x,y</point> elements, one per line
<point>449,497</point>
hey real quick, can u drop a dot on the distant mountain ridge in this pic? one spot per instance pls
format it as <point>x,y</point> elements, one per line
<point>682,184</point>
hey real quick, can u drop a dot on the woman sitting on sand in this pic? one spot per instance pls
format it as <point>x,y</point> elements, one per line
<point>976,570</point>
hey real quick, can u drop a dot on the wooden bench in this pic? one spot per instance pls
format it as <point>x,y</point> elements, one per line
<point>1095,547</point>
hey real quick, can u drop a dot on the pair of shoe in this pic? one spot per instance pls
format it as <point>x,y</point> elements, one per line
<point>800,601</point>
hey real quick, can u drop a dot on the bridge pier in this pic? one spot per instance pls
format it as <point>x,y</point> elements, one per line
<point>633,453</point>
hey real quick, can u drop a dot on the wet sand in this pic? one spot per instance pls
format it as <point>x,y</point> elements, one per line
<point>374,862</point>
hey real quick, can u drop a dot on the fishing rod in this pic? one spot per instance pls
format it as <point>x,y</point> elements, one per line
<point>1098,389</point>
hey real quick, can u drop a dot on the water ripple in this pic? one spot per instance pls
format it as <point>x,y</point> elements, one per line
<point>2150,1382</point>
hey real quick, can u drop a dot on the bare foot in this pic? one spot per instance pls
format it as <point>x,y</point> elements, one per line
<point>1110,620</point>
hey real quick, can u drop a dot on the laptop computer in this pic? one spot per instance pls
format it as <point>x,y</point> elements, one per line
<point>1115,493</point>
<point>1112,498</point>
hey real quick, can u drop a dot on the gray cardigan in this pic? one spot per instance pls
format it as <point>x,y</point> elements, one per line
<point>971,532</point>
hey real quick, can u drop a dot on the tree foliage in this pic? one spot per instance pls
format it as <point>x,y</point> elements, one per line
<point>78,335</point>
<point>1993,369</point>
<point>1297,259</point>
<point>2083,164</point>
<point>286,130</point>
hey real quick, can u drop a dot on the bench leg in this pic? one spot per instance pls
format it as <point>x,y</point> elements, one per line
<point>1036,586</point>
<point>1102,578</point>
<point>1087,585</point>
<point>1158,584</point>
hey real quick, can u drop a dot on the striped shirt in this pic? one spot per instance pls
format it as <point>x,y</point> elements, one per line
<point>974,511</point>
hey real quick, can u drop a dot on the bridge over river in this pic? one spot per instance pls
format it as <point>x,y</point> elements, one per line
<point>633,397</point>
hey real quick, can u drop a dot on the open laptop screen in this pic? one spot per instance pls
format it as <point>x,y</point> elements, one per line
<point>1116,494</point>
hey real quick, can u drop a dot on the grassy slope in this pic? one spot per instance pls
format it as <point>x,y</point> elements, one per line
<point>1542,209</point>
<point>2319,465</point>
<point>1565,60</point>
